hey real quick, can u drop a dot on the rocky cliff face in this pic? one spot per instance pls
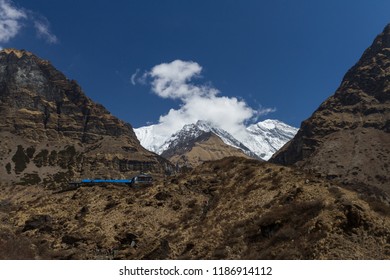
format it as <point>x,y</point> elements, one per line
<point>51,131</point>
<point>348,136</point>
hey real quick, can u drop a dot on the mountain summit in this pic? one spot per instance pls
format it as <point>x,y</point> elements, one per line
<point>348,136</point>
<point>51,131</point>
<point>200,142</point>
<point>42,104</point>
<point>259,140</point>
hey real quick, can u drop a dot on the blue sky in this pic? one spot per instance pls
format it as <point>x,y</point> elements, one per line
<point>285,56</point>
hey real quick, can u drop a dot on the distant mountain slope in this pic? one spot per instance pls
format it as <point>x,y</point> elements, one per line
<point>150,138</point>
<point>50,131</point>
<point>348,137</point>
<point>267,137</point>
<point>190,134</point>
<point>193,149</point>
<point>261,139</point>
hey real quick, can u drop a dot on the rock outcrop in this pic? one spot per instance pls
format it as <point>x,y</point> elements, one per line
<point>348,137</point>
<point>50,131</point>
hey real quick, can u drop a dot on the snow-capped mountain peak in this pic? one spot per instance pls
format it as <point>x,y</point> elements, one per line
<point>266,137</point>
<point>150,138</point>
<point>261,140</point>
<point>193,131</point>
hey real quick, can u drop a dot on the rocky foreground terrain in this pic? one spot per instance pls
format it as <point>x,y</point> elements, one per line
<point>233,208</point>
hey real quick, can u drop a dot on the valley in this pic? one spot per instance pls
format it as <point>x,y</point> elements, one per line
<point>324,193</point>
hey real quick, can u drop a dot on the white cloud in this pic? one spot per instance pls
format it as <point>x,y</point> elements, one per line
<point>171,80</point>
<point>137,78</point>
<point>13,19</point>
<point>224,112</point>
<point>265,111</point>
<point>42,27</point>
<point>199,102</point>
<point>10,20</point>
<point>134,77</point>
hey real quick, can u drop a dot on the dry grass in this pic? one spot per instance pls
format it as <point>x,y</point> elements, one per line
<point>229,209</point>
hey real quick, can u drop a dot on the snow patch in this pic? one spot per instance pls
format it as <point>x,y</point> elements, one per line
<point>262,139</point>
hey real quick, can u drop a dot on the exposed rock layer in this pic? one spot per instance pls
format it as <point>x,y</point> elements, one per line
<point>348,137</point>
<point>51,131</point>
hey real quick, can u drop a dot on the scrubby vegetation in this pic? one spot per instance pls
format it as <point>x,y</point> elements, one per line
<point>229,209</point>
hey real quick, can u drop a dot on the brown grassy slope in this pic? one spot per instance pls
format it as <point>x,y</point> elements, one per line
<point>233,208</point>
<point>206,148</point>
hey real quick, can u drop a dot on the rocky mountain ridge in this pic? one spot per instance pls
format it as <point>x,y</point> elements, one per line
<point>190,133</point>
<point>261,140</point>
<point>190,150</point>
<point>348,137</point>
<point>51,131</point>
<point>267,137</point>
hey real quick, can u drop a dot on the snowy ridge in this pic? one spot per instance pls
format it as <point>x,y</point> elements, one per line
<point>267,137</point>
<point>150,138</point>
<point>193,131</point>
<point>260,140</point>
